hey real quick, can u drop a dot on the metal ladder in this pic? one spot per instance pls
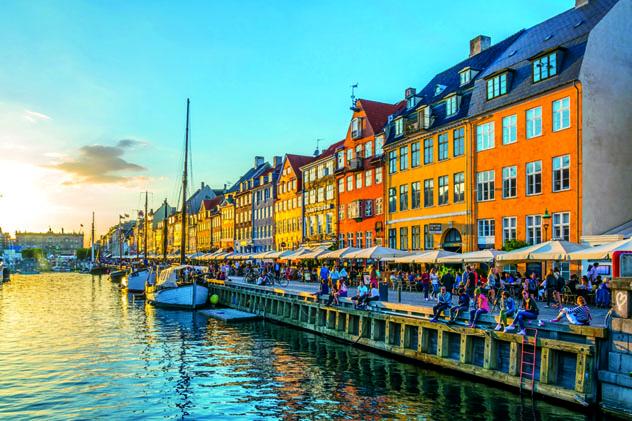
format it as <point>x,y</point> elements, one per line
<point>528,358</point>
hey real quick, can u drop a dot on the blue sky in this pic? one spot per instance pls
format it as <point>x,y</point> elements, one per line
<point>264,78</point>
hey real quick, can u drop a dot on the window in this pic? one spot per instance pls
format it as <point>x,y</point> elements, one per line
<point>359,239</point>
<point>392,199</point>
<point>399,127</point>
<point>350,239</point>
<point>369,239</point>
<point>428,238</point>
<point>451,105</point>
<point>497,86</point>
<point>561,114</point>
<point>368,178</point>
<point>321,194</point>
<point>534,122</point>
<point>464,77</point>
<point>358,151</point>
<point>534,177</point>
<point>485,185</point>
<point>510,182</point>
<point>368,208</point>
<point>485,136</point>
<point>509,129</point>
<point>443,146</point>
<point>392,238</point>
<point>415,155</point>
<point>403,158</point>
<point>416,238</point>
<point>368,149</point>
<point>562,226</point>
<point>403,197</point>
<point>428,193</point>
<point>403,238</point>
<point>341,241</point>
<point>544,67</point>
<point>428,151</point>
<point>486,233</point>
<point>459,187</point>
<point>341,185</point>
<point>458,142</point>
<point>443,190</point>
<point>392,162</point>
<point>341,212</point>
<point>561,173</point>
<point>356,128</point>
<point>378,175</point>
<point>379,206</point>
<point>350,183</point>
<point>349,154</point>
<point>534,229</point>
<point>424,117</point>
<point>330,192</point>
<point>416,195</point>
<point>509,228</point>
<point>358,180</point>
<point>379,144</point>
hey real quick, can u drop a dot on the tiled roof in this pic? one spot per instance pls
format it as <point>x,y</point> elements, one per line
<point>568,30</point>
<point>211,203</point>
<point>297,161</point>
<point>328,152</point>
<point>377,112</point>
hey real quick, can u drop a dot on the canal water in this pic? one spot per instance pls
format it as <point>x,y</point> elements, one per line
<point>73,346</point>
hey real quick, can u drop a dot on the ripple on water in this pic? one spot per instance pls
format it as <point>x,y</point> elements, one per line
<point>76,347</point>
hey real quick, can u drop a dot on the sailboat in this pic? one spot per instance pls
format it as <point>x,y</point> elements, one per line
<point>180,286</point>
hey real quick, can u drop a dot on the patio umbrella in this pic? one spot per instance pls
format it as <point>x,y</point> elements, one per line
<point>296,254</point>
<point>550,250</point>
<point>431,256</point>
<point>318,251</point>
<point>411,258</point>
<point>601,252</point>
<point>480,256</point>
<point>279,254</point>
<point>376,252</point>
<point>337,254</point>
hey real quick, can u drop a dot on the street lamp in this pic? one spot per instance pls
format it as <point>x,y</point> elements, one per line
<point>546,217</point>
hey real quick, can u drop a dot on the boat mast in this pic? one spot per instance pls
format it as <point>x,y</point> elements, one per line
<point>165,233</point>
<point>183,236</point>
<point>145,228</point>
<point>92,241</point>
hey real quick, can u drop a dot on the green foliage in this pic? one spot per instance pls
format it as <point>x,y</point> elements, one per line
<point>83,253</point>
<point>514,244</point>
<point>34,253</point>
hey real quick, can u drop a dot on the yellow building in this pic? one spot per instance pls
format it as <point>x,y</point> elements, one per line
<point>288,215</point>
<point>216,229</point>
<point>227,211</point>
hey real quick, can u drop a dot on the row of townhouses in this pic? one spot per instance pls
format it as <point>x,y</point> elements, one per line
<point>527,139</point>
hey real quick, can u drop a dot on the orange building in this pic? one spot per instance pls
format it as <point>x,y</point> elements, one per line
<point>288,209</point>
<point>360,175</point>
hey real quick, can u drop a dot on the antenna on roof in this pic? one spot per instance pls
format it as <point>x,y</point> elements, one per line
<point>317,151</point>
<point>353,98</point>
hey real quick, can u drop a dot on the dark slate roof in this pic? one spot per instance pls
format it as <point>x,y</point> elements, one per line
<point>159,214</point>
<point>568,30</point>
<point>252,172</point>
<point>450,79</point>
<point>195,200</point>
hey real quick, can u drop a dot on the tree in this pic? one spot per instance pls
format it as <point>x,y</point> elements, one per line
<point>514,244</point>
<point>34,253</point>
<point>82,253</point>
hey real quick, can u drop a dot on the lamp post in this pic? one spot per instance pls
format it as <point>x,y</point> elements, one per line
<point>546,217</point>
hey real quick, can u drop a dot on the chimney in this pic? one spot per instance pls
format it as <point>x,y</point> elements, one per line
<point>277,161</point>
<point>258,161</point>
<point>224,187</point>
<point>580,3</point>
<point>410,92</point>
<point>480,43</point>
<point>202,185</point>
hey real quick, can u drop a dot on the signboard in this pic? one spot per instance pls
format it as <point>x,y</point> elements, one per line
<point>434,228</point>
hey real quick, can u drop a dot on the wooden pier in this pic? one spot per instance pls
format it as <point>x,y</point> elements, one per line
<point>566,356</point>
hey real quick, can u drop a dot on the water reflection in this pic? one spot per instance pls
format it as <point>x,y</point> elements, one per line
<point>76,346</point>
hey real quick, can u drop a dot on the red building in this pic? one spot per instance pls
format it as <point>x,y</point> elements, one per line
<point>360,175</point>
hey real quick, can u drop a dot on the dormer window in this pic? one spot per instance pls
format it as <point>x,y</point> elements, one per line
<point>410,102</point>
<point>545,67</point>
<point>356,128</point>
<point>497,86</point>
<point>399,127</point>
<point>379,144</point>
<point>465,76</point>
<point>451,105</point>
<point>424,117</point>
<point>439,89</point>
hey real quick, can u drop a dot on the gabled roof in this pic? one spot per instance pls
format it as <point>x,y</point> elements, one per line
<point>209,204</point>
<point>377,112</point>
<point>195,200</point>
<point>326,153</point>
<point>252,172</point>
<point>297,161</point>
<point>159,214</point>
<point>568,31</point>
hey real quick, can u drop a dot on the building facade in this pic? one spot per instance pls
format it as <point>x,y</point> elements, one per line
<point>227,210</point>
<point>56,243</point>
<point>360,175</point>
<point>320,199</point>
<point>288,214</point>
<point>263,198</point>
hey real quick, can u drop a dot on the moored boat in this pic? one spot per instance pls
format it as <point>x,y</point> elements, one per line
<point>179,287</point>
<point>135,282</point>
<point>117,275</point>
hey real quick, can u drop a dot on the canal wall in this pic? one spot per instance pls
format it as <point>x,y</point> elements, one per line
<point>567,357</point>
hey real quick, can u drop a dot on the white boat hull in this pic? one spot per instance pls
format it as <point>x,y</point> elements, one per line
<point>181,296</point>
<point>136,281</point>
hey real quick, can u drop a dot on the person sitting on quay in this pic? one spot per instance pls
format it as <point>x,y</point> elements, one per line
<point>341,291</point>
<point>602,296</point>
<point>324,272</point>
<point>444,300</point>
<point>323,289</point>
<point>482,306</point>
<point>507,309</point>
<point>530,312</point>
<point>462,305</point>
<point>578,315</point>
<point>374,295</point>
<point>361,295</point>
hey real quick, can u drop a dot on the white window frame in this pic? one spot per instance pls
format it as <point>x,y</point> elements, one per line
<point>510,174</point>
<point>533,119</point>
<point>534,229</point>
<point>561,114</point>
<point>510,129</point>
<point>399,127</point>
<point>533,170</point>
<point>561,165</point>
<point>486,232</point>
<point>510,226</point>
<point>561,226</point>
<point>485,185</point>
<point>368,178</point>
<point>485,136</point>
